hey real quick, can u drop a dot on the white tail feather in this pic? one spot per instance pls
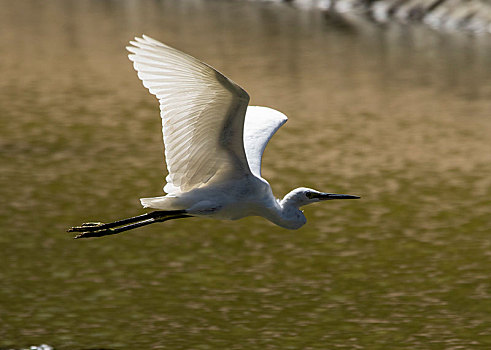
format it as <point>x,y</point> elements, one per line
<point>163,203</point>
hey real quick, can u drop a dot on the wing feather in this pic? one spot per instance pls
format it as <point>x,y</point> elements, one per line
<point>202,115</point>
<point>261,123</point>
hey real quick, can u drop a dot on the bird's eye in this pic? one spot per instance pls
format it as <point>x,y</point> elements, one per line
<point>309,195</point>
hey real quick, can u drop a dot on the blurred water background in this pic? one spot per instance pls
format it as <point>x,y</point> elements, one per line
<point>399,115</point>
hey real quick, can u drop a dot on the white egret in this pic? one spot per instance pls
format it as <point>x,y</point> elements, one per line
<point>214,143</point>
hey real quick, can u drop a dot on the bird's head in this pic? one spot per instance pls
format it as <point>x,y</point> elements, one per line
<point>303,196</point>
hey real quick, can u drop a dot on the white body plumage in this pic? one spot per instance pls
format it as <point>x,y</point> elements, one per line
<point>213,141</point>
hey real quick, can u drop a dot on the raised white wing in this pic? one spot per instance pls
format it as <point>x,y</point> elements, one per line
<point>260,125</point>
<point>202,115</point>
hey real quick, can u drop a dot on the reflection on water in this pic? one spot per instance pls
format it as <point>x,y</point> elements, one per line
<point>400,116</point>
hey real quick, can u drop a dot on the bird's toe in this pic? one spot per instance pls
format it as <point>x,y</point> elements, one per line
<point>92,224</point>
<point>87,226</point>
<point>85,234</point>
<point>93,233</point>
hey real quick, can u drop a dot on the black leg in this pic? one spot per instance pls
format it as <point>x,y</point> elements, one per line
<point>112,231</point>
<point>96,226</point>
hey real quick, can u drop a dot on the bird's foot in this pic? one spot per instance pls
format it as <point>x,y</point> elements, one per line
<point>87,227</point>
<point>94,233</point>
<point>92,229</point>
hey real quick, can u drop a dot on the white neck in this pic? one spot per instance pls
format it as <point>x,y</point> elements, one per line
<point>286,213</point>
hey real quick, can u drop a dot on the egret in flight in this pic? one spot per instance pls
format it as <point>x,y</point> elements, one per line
<point>213,142</point>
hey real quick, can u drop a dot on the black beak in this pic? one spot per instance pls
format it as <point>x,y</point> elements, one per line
<point>329,196</point>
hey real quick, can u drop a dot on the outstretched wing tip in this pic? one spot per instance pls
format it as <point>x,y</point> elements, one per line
<point>195,103</point>
<point>146,37</point>
<point>261,123</point>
